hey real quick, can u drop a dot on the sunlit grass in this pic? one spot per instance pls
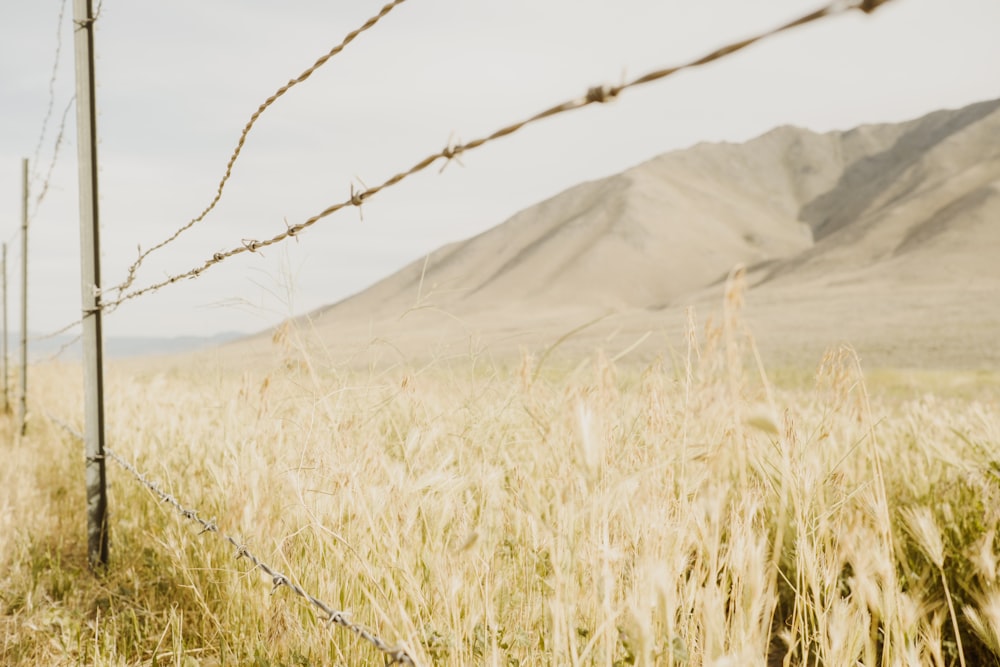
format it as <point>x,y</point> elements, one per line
<point>684,513</point>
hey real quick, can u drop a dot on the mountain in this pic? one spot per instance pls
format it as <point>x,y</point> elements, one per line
<point>886,236</point>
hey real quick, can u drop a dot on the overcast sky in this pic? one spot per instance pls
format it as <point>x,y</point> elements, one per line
<point>178,81</point>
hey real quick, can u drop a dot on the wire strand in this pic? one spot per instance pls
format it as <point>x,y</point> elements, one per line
<point>143,254</point>
<point>52,85</point>
<point>396,655</point>
<point>44,190</point>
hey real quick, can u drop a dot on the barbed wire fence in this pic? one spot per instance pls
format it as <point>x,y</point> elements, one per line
<point>125,290</point>
<point>220,188</point>
<point>332,617</point>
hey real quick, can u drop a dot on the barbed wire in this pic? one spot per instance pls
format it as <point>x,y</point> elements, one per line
<point>52,84</point>
<point>243,136</point>
<point>394,655</point>
<point>55,158</point>
<point>60,135</point>
<point>62,348</point>
<point>63,425</point>
<point>595,95</point>
<point>58,332</point>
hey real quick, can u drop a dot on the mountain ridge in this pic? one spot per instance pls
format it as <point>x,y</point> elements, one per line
<point>836,222</point>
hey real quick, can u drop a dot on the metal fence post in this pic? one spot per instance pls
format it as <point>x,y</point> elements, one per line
<point>23,412</point>
<point>90,267</point>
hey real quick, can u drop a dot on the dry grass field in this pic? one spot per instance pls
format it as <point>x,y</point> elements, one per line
<point>692,511</point>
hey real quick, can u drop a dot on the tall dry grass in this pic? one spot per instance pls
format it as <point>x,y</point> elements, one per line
<point>685,513</point>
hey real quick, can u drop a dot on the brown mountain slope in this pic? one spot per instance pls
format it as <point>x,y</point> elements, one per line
<point>923,210</point>
<point>883,221</point>
<point>641,238</point>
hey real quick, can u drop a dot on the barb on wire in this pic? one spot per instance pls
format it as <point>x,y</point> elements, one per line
<point>595,95</point>
<point>143,254</point>
<point>393,654</point>
<point>52,84</point>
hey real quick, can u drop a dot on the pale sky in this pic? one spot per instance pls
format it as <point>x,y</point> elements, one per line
<point>178,81</point>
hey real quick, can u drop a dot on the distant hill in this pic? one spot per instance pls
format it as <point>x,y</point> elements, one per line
<point>876,235</point>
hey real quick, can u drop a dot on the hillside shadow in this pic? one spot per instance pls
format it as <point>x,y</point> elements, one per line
<point>863,181</point>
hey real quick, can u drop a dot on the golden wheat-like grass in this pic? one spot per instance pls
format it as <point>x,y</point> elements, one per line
<point>690,513</point>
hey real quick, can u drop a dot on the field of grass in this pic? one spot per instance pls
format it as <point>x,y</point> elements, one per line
<point>692,512</point>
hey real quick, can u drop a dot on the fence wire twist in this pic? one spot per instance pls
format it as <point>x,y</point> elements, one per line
<point>243,136</point>
<point>393,654</point>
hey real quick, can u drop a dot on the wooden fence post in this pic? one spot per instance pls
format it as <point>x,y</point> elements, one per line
<point>90,268</point>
